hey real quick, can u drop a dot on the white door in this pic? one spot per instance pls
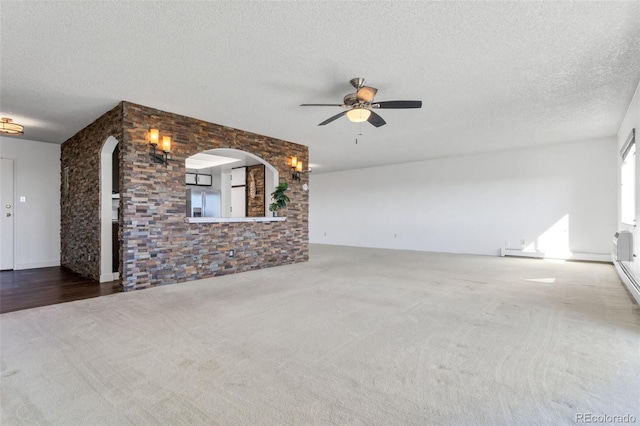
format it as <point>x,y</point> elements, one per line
<point>238,201</point>
<point>6,220</point>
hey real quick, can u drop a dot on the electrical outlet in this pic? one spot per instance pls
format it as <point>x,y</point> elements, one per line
<point>232,253</point>
<point>523,242</point>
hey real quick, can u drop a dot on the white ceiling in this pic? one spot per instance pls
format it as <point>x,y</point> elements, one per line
<point>204,160</point>
<point>220,159</point>
<point>491,75</point>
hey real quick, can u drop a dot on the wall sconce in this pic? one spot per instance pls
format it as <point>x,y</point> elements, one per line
<point>296,167</point>
<point>154,138</point>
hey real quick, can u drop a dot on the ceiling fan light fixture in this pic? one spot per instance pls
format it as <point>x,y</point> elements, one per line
<point>358,107</point>
<point>358,115</point>
<point>8,127</point>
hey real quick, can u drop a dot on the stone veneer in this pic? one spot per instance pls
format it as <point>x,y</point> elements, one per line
<point>157,246</point>
<point>255,205</point>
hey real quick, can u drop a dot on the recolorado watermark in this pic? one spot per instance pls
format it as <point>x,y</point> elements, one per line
<point>604,418</point>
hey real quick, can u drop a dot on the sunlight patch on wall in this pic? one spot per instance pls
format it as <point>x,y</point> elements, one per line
<point>551,244</point>
<point>556,238</point>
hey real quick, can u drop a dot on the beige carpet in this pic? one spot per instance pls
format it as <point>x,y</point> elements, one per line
<point>355,336</point>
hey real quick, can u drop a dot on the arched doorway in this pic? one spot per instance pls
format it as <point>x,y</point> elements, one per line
<point>109,198</point>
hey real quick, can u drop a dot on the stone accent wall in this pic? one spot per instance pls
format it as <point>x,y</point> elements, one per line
<point>255,204</point>
<point>80,204</point>
<point>158,246</point>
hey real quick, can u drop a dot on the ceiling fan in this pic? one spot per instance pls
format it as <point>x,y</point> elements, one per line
<point>359,105</point>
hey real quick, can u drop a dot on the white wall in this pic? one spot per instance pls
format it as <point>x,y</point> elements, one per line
<point>476,203</point>
<point>631,121</point>
<point>37,221</point>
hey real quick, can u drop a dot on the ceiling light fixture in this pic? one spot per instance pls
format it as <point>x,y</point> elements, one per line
<point>358,115</point>
<point>8,127</point>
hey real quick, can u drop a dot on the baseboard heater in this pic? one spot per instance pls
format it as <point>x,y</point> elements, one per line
<point>627,278</point>
<point>622,253</point>
<point>590,257</point>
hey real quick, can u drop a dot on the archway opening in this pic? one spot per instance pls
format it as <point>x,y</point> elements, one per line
<point>226,182</point>
<point>109,208</point>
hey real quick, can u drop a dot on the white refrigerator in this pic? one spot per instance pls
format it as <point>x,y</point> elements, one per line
<point>203,203</point>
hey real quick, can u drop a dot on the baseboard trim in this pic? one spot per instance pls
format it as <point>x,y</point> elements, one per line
<point>34,265</point>
<point>590,257</point>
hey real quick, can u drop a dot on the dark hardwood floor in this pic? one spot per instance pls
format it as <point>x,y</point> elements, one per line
<point>30,288</point>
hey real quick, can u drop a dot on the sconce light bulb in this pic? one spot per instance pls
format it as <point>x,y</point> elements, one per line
<point>166,143</point>
<point>153,136</point>
<point>294,162</point>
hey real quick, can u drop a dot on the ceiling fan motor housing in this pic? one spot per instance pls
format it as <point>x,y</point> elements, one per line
<point>357,82</point>
<point>351,99</point>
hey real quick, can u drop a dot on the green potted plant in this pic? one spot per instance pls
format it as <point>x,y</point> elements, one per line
<point>279,198</point>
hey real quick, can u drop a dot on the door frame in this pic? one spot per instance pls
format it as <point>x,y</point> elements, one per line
<point>106,239</point>
<point>13,203</point>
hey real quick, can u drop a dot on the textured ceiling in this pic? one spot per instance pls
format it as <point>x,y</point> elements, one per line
<point>491,75</point>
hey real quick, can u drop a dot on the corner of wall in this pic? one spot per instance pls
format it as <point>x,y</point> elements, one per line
<point>159,246</point>
<point>80,204</point>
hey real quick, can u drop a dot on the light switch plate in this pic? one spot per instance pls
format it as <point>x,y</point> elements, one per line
<point>23,199</point>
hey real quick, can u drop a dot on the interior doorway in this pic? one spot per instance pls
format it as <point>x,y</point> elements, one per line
<point>109,196</point>
<point>7,221</point>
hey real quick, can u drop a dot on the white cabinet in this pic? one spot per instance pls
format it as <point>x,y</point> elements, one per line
<point>196,179</point>
<point>203,180</point>
<point>238,192</point>
<point>239,176</point>
<point>238,201</point>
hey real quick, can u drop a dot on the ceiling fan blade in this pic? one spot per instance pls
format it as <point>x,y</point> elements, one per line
<point>398,104</point>
<point>335,117</point>
<point>376,120</point>
<point>366,93</point>
<point>339,105</point>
